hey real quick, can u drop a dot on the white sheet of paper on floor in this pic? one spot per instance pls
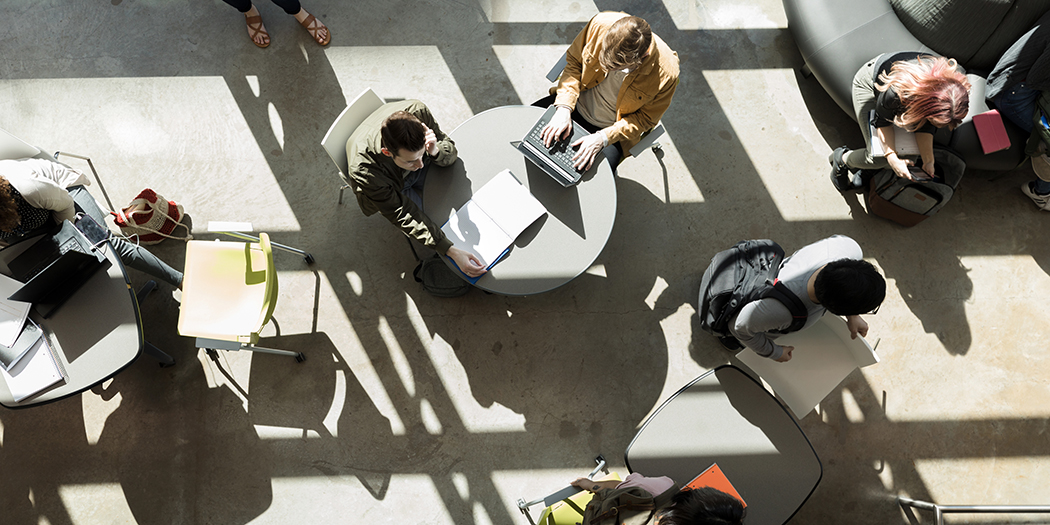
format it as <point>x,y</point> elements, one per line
<point>38,370</point>
<point>824,355</point>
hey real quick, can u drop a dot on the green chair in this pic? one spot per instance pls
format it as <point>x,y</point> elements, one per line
<point>229,292</point>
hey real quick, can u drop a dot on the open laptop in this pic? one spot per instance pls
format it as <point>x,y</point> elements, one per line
<point>555,161</point>
<point>54,268</point>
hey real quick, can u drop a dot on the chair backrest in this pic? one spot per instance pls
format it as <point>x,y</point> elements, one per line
<point>270,299</point>
<point>555,71</point>
<point>12,147</point>
<point>334,141</point>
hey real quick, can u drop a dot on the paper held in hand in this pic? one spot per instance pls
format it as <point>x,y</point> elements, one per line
<point>493,218</point>
<point>824,355</point>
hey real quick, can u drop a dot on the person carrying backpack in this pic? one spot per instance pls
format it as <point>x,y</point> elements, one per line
<point>828,275</point>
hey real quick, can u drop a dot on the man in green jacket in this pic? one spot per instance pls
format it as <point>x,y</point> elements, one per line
<point>389,155</point>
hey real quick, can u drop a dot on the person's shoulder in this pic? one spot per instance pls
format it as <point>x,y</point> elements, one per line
<point>668,58</point>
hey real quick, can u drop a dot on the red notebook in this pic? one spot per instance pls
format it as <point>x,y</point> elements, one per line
<point>714,478</point>
<point>991,131</point>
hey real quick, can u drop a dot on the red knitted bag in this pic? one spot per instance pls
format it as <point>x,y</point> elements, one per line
<point>150,219</point>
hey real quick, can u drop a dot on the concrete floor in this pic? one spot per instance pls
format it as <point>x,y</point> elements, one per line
<point>412,409</point>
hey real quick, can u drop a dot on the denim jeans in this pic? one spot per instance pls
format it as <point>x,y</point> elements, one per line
<point>1018,104</point>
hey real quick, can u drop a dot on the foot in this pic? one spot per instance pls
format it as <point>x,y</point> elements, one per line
<point>839,171</point>
<point>1042,201</point>
<point>317,30</point>
<point>730,343</point>
<point>256,29</point>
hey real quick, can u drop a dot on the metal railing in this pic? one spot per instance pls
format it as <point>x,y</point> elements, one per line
<point>940,510</point>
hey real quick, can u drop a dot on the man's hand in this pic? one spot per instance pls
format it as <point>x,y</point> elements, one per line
<point>589,148</point>
<point>467,262</point>
<point>559,127</point>
<point>856,326</point>
<point>786,355</point>
<point>900,167</point>
<point>430,142</point>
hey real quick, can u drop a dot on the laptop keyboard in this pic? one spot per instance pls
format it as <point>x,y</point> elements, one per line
<point>69,244</point>
<point>558,157</point>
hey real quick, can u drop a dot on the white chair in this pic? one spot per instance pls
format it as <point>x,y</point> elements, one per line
<point>648,138</point>
<point>345,124</point>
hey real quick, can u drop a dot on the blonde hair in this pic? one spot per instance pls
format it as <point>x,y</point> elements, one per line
<point>931,89</point>
<point>625,44</point>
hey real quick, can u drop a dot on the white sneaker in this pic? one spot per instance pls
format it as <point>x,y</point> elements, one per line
<point>1042,201</point>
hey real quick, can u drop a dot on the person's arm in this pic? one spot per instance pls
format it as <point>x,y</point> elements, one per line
<point>594,486</point>
<point>44,194</point>
<point>633,125</point>
<point>375,185</point>
<point>857,326</point>
<point>568,91</point>
<point>925,143</point>
<point>439,145</point>
<point>755,319</point>
<point>897,164</point>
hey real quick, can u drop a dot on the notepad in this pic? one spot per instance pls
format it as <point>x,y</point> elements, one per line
<point>991,131</point>
<point>903,140</point>
<point>39,370</point>
<point>493,218</point>
<point>12,313</point>
<point>714,478</point>
<point>10,355</point>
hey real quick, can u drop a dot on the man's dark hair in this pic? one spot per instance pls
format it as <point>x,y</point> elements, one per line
<point>402,131</point>
<point>849,287</point>
<point>703,506</point>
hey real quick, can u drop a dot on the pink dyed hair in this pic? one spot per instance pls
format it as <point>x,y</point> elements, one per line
<point>930,89</point>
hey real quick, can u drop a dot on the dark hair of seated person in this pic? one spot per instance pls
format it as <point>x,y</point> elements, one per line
<point>849,287</point>
<point>702,506</point>
<point>402,131</point>
<point>8,207</point>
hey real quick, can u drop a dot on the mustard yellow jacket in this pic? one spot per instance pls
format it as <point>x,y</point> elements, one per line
<point>645,94</point>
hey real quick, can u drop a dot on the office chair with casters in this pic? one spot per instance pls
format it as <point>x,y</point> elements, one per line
<point>648,140</point>
<point>229,291</point>
<point>334,142</point>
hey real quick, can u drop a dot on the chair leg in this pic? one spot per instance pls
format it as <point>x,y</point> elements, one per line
<point>341,188</point>
<point>299,356</point>
<point>158,354</point>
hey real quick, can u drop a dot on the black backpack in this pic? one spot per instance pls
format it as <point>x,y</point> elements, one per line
<point>744,273</point>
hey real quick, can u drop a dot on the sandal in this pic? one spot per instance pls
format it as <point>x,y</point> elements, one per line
<point>256,28</point>
<point>314,26</point>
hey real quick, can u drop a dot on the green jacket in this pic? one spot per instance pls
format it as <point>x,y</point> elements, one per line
<point>377,181</point>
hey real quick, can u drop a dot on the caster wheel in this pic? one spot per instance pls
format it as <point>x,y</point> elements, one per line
<point>299,358</point>
<point>309,258</point>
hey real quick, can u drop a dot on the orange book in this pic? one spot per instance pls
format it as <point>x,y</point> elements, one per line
<point>714,478</point>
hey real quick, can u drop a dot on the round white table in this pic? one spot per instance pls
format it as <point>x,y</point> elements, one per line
<point>560,245</point>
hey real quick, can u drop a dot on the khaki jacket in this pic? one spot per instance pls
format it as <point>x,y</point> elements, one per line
<point>377,182</point>
<point>645,94</point>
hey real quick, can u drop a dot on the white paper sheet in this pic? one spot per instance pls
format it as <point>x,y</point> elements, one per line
<point>12,313</point>
<point>34,372</point>
<point>824,355</point>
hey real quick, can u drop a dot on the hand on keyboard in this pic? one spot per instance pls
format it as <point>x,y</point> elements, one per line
<point>589,147</point>
<point>559,127</point>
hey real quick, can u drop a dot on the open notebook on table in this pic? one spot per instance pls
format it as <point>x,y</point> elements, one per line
<point>37,371</point>
<point>492,219</point>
